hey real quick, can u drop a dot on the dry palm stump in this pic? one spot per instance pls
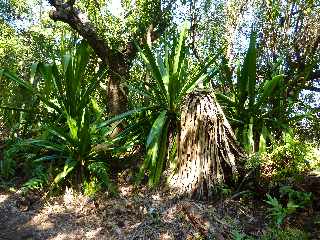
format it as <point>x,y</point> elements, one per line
<point>207,147</point>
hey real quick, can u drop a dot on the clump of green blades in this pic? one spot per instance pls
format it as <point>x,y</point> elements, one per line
<point>171,83</point>
<point>69,85</point>
<point>248,101</point>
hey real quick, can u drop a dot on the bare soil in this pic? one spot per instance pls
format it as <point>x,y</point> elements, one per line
<point>131,215</point>
<point>139,213</point>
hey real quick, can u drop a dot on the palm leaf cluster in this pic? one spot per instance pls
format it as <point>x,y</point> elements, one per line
<point>251,104</point>
<point>172,82</point>
<point>69,140</point>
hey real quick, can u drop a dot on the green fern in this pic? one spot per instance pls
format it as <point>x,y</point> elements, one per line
<point>100,171</point>
<point>38,180</point>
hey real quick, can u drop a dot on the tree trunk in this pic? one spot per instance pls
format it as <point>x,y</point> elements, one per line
<point>207,148</point>
<point>119,62</point>
<point>117,93</point>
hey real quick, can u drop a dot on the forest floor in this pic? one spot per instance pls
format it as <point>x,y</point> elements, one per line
<point>138,214</point>
<point>141,215</point>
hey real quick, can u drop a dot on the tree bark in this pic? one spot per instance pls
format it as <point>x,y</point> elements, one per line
<point>117,93</point>
<point>68,14</point>
<point>207,147</point>
<point>118,62</point>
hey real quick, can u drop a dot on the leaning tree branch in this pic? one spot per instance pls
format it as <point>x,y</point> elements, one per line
<point>68,14</point>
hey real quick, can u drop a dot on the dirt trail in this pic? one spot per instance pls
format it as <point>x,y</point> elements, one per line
<point>141,215</point>
<point>144,214</point>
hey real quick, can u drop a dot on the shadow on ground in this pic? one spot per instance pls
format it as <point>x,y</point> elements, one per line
<point>143,214</point>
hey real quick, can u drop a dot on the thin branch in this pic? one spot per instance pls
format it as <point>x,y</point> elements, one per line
<point>156,28</point>
<point>15,108</point>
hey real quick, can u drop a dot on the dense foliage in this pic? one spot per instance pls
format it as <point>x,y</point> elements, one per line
<point>86,91</point>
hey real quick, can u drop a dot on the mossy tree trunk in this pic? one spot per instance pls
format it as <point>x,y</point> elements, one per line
<point>207,147</point>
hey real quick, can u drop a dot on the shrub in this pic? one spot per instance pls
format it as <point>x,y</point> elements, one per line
<point>289,159</point>
<point>67,143</point>
<point>295,199</point>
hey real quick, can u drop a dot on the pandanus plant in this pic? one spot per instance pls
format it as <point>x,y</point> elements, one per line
<point>251,104</point>
<point>170,83</point>
<point>70,86</point>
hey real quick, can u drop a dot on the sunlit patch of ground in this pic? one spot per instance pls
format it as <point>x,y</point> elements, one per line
<point>134,214</point>
<point>131,215</point>
<point>3,198</point>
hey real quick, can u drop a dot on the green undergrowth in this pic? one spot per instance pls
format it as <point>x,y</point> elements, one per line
<point>275,234</point>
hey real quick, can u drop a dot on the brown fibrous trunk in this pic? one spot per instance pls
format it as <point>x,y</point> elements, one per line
<point>207,147</point>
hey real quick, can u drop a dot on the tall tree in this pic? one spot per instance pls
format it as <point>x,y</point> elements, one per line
<point>117,59</point>
<point>289,44</point>
<point>290,41</point>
